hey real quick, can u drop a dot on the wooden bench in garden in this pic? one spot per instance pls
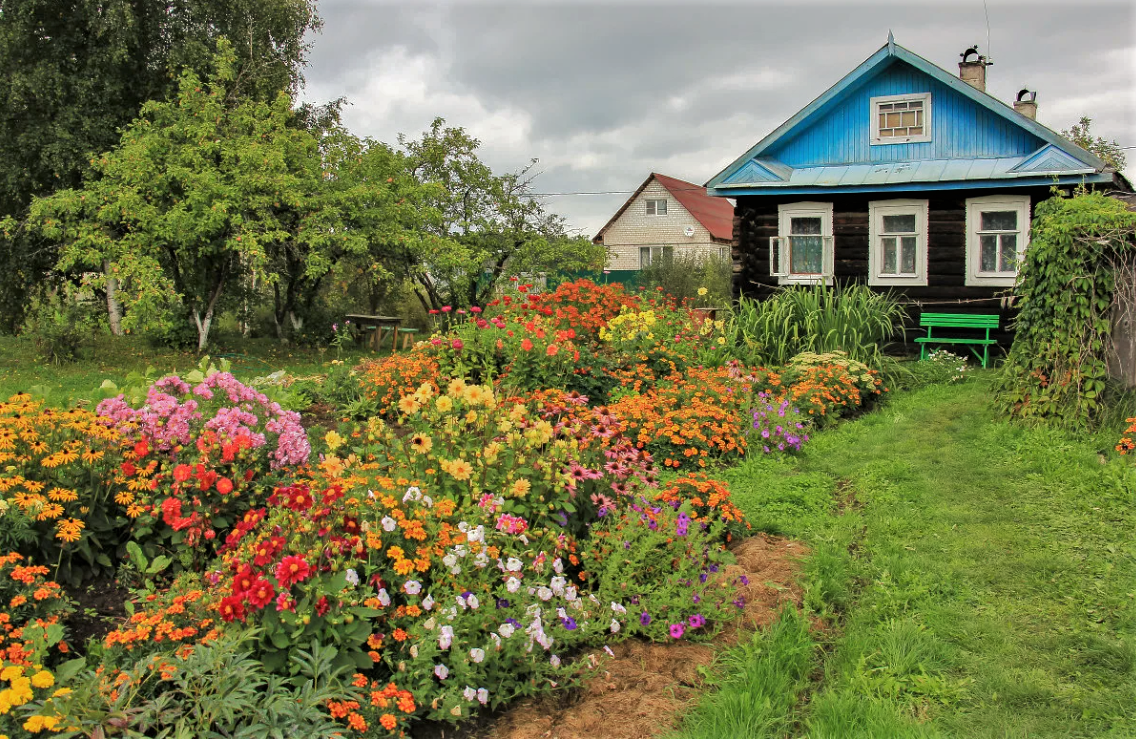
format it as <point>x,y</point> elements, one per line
<point>953,321</point>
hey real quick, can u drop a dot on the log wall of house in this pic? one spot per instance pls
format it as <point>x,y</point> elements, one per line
<point>755,221</point>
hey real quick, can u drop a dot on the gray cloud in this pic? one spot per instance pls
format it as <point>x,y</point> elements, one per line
<point>605,93</point>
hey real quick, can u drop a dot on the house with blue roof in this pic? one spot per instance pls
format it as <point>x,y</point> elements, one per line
<point>904,176</point>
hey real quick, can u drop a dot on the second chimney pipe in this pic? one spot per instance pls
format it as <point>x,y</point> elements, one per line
<point>1026,103</point>
<point>973,71</point>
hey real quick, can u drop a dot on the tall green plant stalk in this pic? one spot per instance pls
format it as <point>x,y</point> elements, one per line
<point>850,318</point>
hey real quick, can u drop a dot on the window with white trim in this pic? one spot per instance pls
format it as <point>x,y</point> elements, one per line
<point>897,238</point>
<point>648,255</point>
<point>901,119</point>
<point>802,251</point>
<point>997,234</point>
<point>657,207</point>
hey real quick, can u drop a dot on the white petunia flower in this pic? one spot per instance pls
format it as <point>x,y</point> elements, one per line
<point>477,655</point>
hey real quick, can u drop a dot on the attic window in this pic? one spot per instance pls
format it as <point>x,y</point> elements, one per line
<point>901,119</point>
<point>656,207</point>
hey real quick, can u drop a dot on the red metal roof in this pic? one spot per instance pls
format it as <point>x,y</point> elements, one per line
<point>715,214</point>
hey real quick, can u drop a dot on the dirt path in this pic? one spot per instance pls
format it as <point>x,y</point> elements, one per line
<point>643,690</point>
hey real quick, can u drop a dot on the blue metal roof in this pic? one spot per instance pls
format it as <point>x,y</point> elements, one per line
<point>974,138</point>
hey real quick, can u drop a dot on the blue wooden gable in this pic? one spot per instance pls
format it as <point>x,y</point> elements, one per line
<point>976,140</point>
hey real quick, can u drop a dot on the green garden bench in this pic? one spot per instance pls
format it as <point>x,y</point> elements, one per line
<point>932,321</point>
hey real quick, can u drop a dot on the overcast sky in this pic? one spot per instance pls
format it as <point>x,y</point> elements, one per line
<point>605,93</point>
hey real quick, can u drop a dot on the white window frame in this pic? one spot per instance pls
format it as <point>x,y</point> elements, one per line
<point>974,209</point>
<point>653,206</point>
<point>877,209</point>
<point>656,251</point>
<point>876,140</point>
<point>788,211</point>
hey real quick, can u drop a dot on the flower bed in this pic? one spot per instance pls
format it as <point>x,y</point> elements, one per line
<point>494,523</point>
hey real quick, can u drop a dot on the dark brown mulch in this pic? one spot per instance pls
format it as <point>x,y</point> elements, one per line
<point>100,609</point>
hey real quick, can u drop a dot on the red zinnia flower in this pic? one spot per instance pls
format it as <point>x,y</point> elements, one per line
<point>224,486</point>
<point>141,449</point>
<point>261,593</point>
<point>322,606</point>
<point>243,581</point>
<point>292,569</point>
<point>527,345</point>
<point>232,609</point>
<point>128,469</point>
<point>182,472</point>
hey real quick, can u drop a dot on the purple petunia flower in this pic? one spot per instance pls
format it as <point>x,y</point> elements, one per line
<point>569,623</point>
<point>676,631</point>
<point>645,618</point>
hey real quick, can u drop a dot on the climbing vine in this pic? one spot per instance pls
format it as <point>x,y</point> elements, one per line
<point>1080,263</point>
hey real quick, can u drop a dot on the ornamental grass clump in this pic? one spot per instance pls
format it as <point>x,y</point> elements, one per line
<point>850,318</point>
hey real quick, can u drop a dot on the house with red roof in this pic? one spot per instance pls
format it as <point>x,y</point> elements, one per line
<point>667,217</point>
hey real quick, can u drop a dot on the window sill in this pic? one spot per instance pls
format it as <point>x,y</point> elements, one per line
<point>897,281</point>
<point>991,281</point>
<point>885,142</point>
<point>809,280</point>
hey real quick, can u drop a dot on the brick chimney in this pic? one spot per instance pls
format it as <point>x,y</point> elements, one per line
<point>973,71</point>
<point>1026,103</point>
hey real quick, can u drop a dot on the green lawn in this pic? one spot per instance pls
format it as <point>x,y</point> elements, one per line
<point>115,358</point>
<point>976,579</point>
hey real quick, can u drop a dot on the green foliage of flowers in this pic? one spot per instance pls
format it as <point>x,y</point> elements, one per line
<point>1057,369</point>
<point>851,318</point>
<point>220,690</point>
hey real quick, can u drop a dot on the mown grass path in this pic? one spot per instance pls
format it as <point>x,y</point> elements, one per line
<point>977,579</point>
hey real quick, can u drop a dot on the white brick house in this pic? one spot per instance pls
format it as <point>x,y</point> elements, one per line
<point>666,215</point>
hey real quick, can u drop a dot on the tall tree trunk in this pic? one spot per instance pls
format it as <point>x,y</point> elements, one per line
<point>277,311</point>
<point>206,322</point>
<point>114,310</point>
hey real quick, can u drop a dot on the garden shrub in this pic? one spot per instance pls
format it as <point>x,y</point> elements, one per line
<point>384,381</point>
<point>201,456</point>
<point>59,327</point>
<point>217,689</point>
<point>32,639</point>
<point>581,305</point>
<point>827,386</point>
<point>704,279</point>
<point>59,501</point>
<point>1057,368</point>
<point>708,498</point>
<point>690,418</point>
<point>941,367</point>
<point>514,352</point>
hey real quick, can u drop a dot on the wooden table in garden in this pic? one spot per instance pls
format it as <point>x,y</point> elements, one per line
<point>376,327</point>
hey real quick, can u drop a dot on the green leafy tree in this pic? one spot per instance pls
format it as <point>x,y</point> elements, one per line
<point>208,193</point>
<point>1110,151</point>
<point>74,72</point>
<point>483,225</point>
<point>360,206</point>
